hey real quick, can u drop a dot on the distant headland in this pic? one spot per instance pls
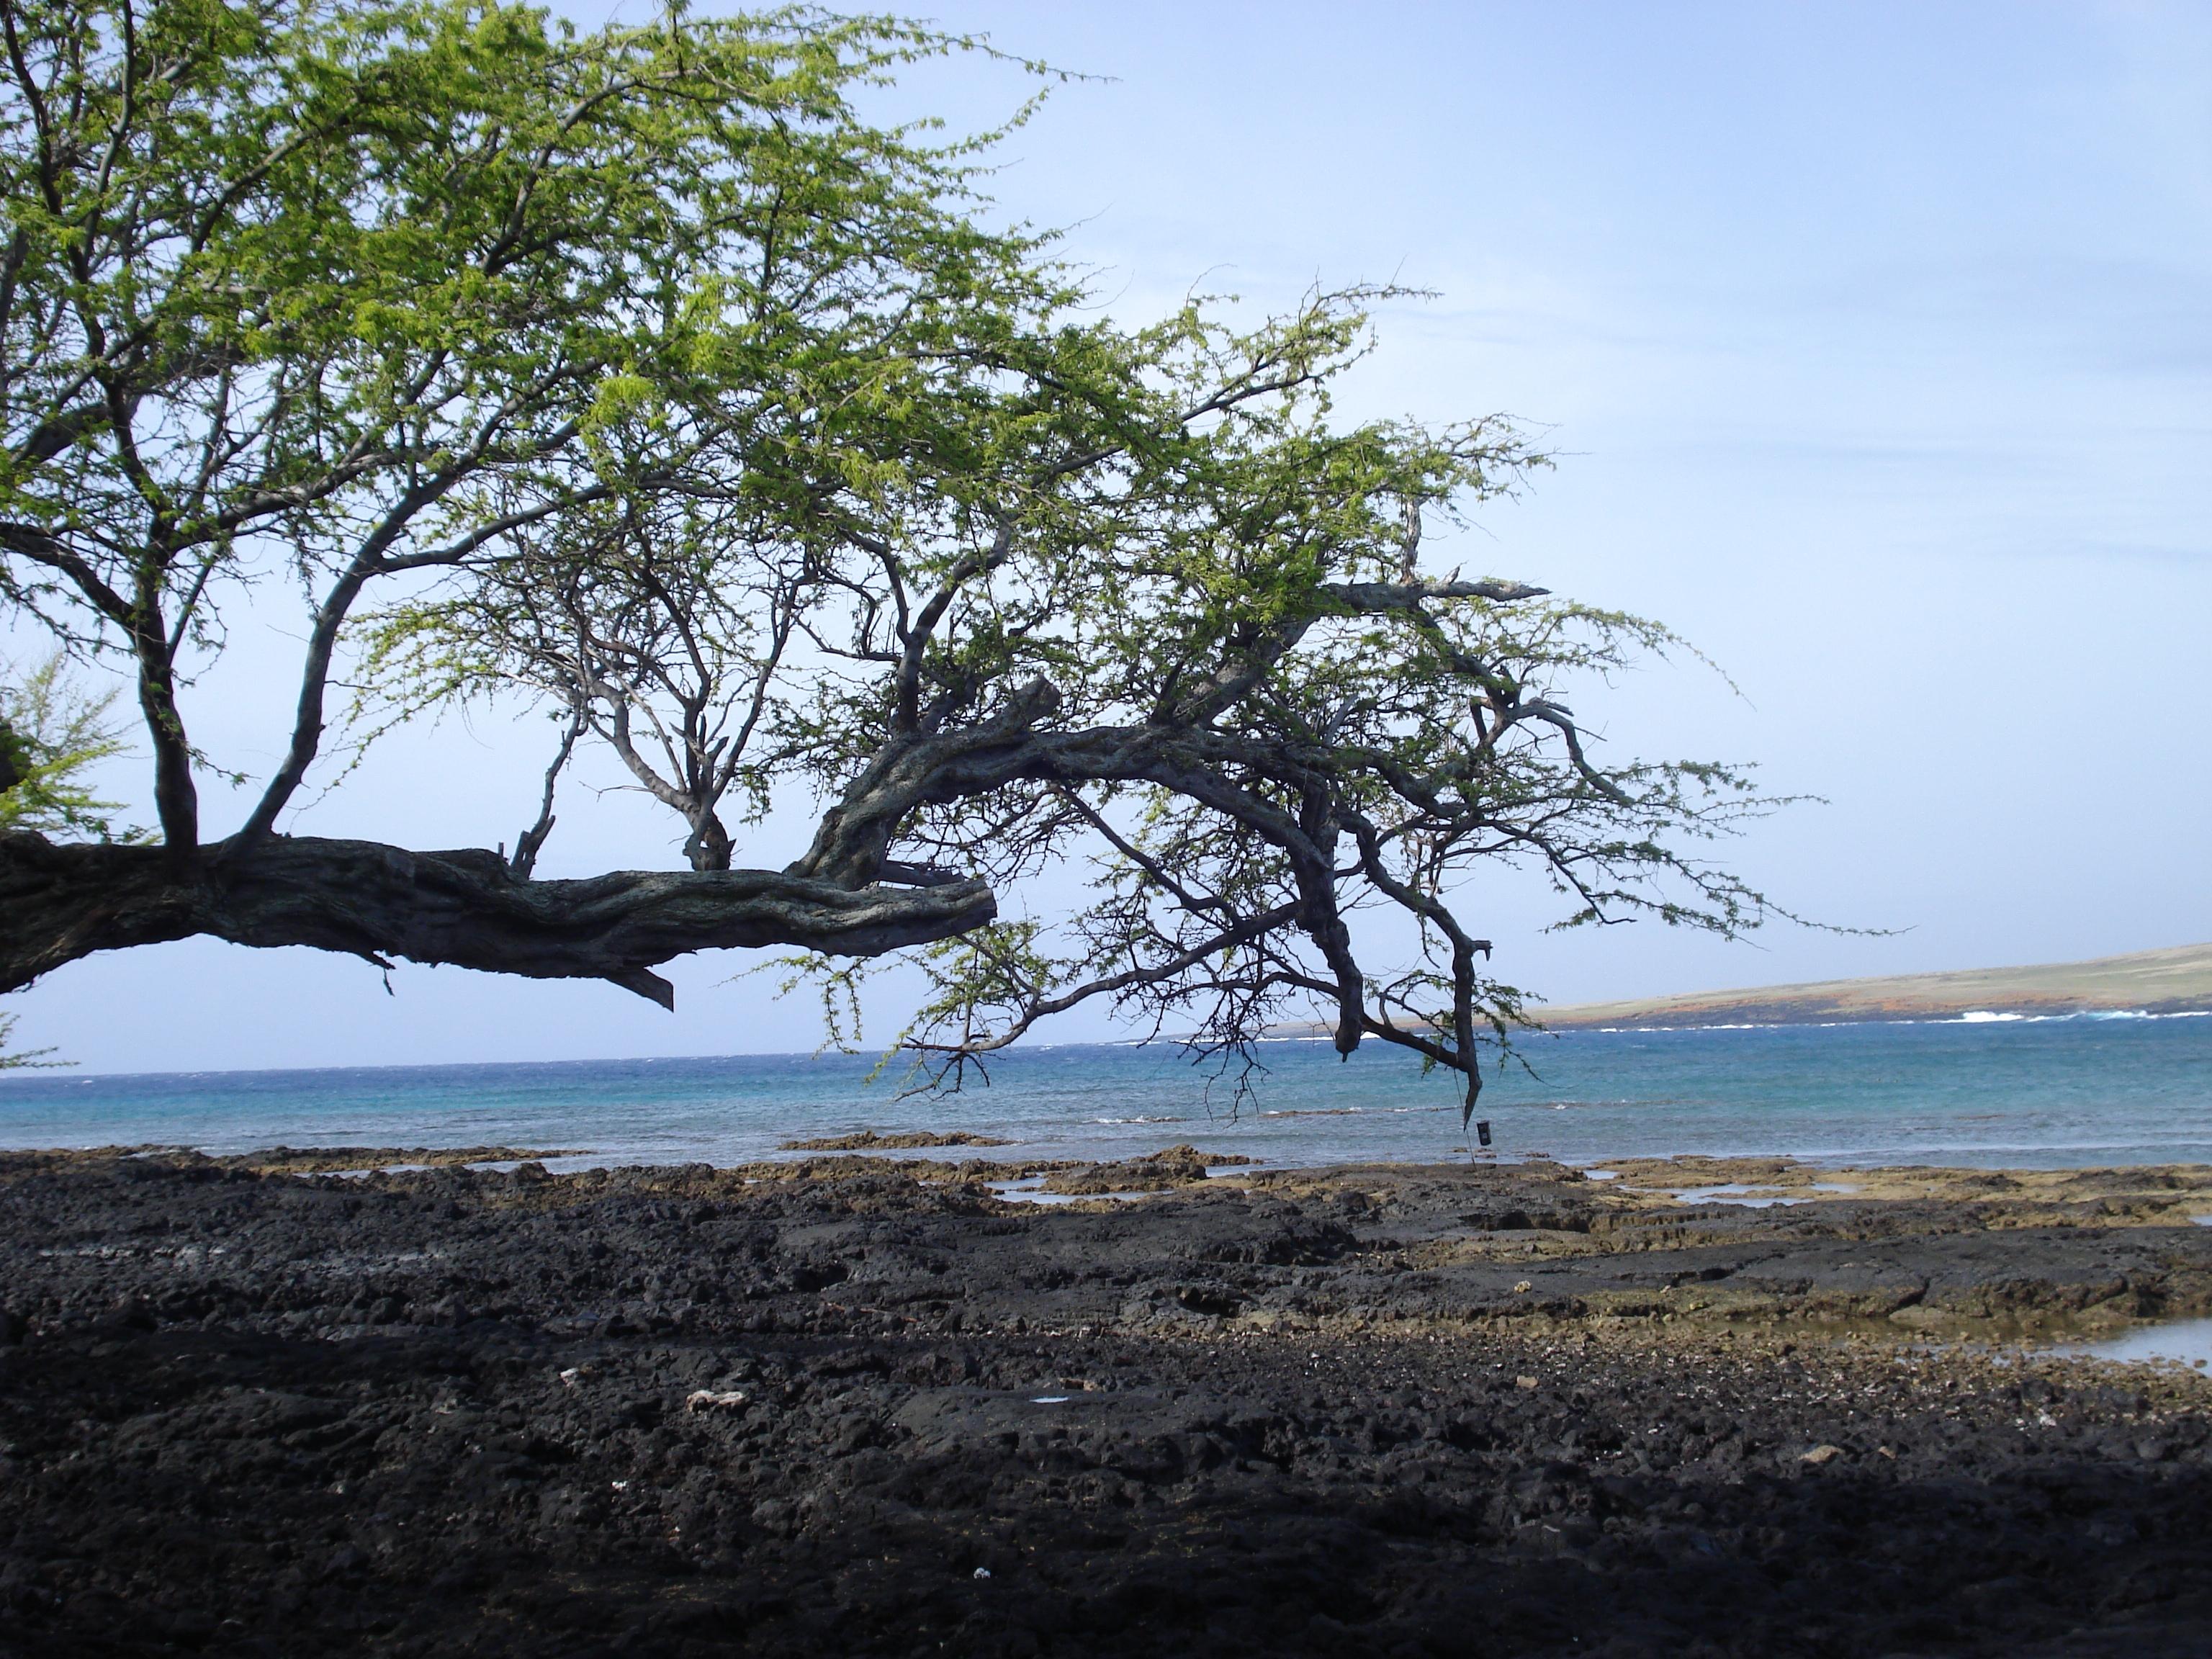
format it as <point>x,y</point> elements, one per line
<point>2175,981</point>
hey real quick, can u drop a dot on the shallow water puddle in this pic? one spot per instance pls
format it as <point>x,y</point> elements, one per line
<point>2187,1341</point>
<point>1028,1191</point>
<point>1031,1191</point>
<point>1734,1192</point>
<point>1757,1197</point>
<point>1751,1197</point>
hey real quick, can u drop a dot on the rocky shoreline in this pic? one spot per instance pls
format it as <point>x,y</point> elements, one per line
<point>865,1405</point>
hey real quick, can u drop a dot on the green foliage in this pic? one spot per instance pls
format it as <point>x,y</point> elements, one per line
<point>23,1060</point>
<point>50,735</point>
<point>352,291</point>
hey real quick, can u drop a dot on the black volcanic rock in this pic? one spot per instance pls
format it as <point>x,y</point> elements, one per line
<point>685,1412</point>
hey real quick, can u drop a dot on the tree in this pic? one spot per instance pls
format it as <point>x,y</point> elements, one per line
<point>638,374</point>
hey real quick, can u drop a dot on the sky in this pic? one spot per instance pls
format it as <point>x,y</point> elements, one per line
<point>1874,344</point>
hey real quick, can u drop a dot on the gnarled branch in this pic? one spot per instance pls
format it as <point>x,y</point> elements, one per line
<point>467,907</point>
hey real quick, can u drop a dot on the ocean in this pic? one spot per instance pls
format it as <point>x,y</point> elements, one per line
<point>1981,1091</point>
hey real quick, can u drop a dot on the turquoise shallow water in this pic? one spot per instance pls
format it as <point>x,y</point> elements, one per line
<point>2027,1093</point>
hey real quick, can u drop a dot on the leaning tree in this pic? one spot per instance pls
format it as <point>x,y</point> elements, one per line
<point>636,374</point>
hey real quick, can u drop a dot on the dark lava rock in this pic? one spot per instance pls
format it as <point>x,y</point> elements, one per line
<point>1358,1412</point>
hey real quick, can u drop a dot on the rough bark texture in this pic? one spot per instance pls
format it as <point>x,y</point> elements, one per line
<point>466,907</point>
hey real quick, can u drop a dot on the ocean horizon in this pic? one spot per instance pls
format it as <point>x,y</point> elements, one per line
<point>1981,1091</point>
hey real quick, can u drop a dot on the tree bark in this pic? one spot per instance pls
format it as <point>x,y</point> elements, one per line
<point>467,907</point>
<point>708,846</point>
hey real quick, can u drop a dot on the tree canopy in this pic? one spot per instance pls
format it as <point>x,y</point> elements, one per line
<point>637,373</point>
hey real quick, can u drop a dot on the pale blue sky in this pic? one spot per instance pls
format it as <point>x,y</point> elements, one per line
<point>1877,344</point>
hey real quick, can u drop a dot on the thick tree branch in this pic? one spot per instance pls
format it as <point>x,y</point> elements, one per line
<point>467,908</point>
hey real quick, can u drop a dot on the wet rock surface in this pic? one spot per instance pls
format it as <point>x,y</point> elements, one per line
<point>863,1406</point>
<point>870,1140</point>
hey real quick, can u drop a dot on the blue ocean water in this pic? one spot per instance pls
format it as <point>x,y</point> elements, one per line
<point>2045,1093</point>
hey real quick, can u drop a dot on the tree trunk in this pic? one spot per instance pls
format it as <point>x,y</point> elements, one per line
<point>708,846</point>
<point>61,902</point>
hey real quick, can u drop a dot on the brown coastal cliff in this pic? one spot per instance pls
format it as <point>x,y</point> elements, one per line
<point>2178,980</point>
